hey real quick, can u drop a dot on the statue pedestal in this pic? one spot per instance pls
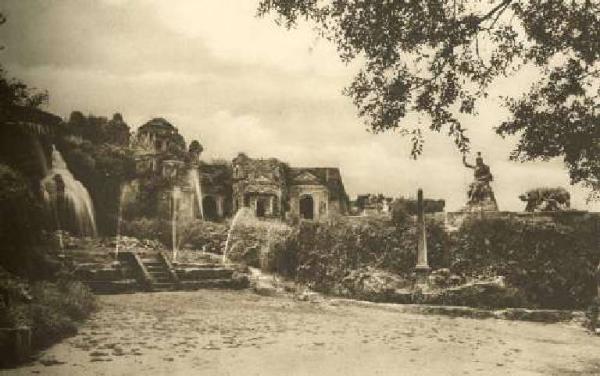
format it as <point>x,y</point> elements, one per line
<point>485,205</point>
<point>422,273</point>
<point>481,198</point>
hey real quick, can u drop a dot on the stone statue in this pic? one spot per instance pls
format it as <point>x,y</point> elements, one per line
<point>546,199</point>
<point>480,194</point>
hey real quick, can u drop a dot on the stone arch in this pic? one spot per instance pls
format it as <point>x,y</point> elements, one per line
<point>209,207</point>
<point>261,207</point>
<point>306,207</point>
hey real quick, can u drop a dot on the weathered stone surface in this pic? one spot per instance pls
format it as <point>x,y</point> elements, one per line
<point>200,273</point>
<point>488,293</point>
<point>444,278</point>
<point>521,314</point>
<point>375,285</point>
<point>539,315</point>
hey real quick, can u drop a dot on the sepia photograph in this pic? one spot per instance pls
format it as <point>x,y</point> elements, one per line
<point>300,187</point>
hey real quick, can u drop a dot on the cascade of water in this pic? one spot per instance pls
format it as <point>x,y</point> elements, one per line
<point>241,213</point>
<point>67,195</point>
<point>194,181</point>
<point>175,197</point>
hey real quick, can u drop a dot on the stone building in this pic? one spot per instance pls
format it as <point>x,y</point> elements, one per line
<point>272,189</point>
<point>157,141</point>
<point>160,155</point>
<point>216,190</point>
<point>179,181</point>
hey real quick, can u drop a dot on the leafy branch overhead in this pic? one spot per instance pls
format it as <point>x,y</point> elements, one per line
<point>439,57</point>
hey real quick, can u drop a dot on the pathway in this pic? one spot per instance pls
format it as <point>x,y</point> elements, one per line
<point>213,332</point>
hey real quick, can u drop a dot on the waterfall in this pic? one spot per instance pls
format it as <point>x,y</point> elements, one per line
<point>194,181</point>
<point>68,198</point>
<point>174,208</point>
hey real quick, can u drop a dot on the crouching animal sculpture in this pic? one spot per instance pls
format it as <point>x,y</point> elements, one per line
<point>546,199</point>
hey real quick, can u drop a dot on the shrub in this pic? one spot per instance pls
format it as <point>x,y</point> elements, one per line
<point>56,309</point>
<point>198,234</point>
<point>147,228</point>
<point>328,252</point>
<point>552,263</point>
<point>400,215</point>
<point>259,243</point>
<point>283,254</point>
<point>194,234</point>
<point>51,310</point>
<point>21,223</point>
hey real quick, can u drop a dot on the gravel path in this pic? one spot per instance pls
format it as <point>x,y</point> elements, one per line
<point>240,333</point>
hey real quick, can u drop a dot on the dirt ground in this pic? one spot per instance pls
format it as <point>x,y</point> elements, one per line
<point>241,333</point>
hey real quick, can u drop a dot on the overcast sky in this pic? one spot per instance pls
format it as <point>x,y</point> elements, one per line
<point>238,83</point>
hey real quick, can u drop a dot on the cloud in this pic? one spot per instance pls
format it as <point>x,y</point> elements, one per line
<point>238,83</point>
<point>231,31</point>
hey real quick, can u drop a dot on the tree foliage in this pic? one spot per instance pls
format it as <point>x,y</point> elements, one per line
<point>439,57</point>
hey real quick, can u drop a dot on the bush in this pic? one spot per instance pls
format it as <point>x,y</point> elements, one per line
<point>328,252</point>
<point>283,254</point>
<point>260,243</point>
<point>400,214</point>
<point>51,310</point>
<point>21,224</point>
<point>552,263</point>
<point>56,309</point>
<point>198,234</point>
<point>147,228</point>
<point>194,234</point>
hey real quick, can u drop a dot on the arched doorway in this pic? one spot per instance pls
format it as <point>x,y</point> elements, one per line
<point>209,206</point>
<point>261,207</point>
<point>307,207</point>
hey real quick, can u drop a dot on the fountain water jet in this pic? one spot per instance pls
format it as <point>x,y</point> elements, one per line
<point>119,221</point>
<point>194,181</point>
<point>67,196</point>
<point>125,190</point>
<point>175,197</point>
<point>241,213</point>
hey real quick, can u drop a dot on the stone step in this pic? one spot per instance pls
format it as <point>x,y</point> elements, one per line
<point>163,277</point>
<point>113,287</point>
<point>205,273</point>
<point>153,264</point>
<point>159,272</point>
<point>155,268</point>
<point>163,286</point>
<point>210,284</point>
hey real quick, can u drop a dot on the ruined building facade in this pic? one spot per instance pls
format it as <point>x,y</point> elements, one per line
<point>273,189</point>
<point>213,191</point>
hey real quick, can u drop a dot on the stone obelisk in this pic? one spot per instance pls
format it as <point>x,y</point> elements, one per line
<point>422,267</point>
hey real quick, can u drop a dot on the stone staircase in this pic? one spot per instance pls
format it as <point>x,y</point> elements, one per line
<point>161,273</point>
<point>207,275</point>
<point>152,271</point>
